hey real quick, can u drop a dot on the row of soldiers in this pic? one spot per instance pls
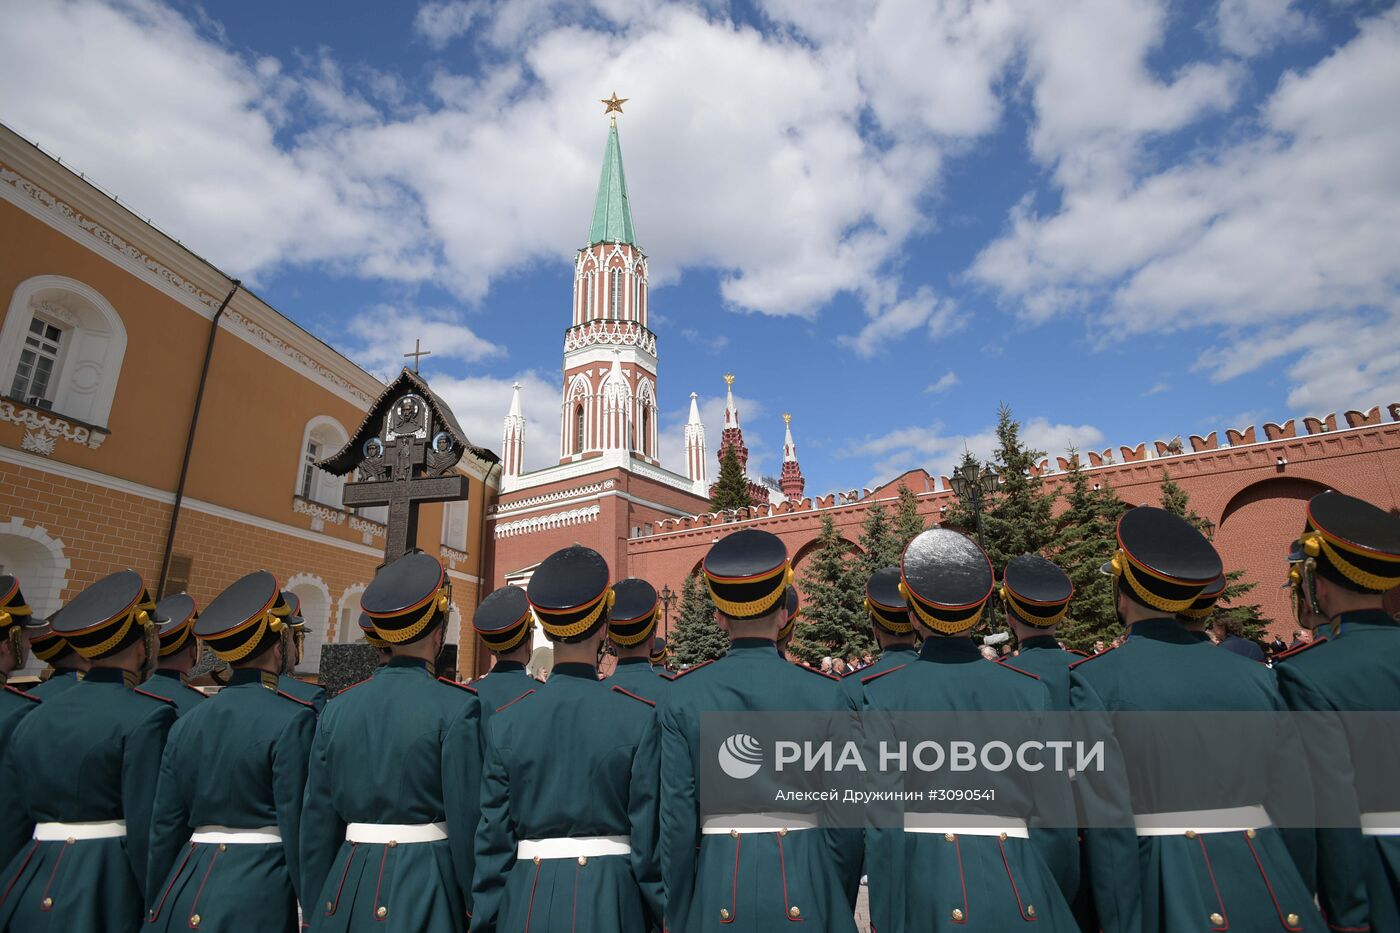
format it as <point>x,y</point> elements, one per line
<point>411,802</point>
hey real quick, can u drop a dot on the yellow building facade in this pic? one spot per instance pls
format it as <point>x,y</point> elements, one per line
<point>104,338</point>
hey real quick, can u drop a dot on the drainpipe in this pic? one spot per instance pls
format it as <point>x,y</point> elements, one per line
<point>481,566</point>
<point>189,440</point>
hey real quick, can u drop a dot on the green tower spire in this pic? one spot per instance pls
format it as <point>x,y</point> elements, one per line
<point>612,215</point>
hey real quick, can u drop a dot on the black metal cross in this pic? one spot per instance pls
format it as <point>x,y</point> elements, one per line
<point>403,493</point>
<point>417,353</point>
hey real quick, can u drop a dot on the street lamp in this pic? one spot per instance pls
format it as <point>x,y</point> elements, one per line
<point>667,599</point>
<point>972,488</point>
<point>1208,529</point>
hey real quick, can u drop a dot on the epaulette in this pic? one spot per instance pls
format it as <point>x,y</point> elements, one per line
<point>152,696</point>
<point>693,668</point>
<point>516,700</point>
<point>20,693</point>
<point>819,672</point>
<point>345,690</point>
<point>195,689</point>
<point>877,675</point>
<point>1294,652</point>
<point>1082,654</point>
<point>1019,671</point>
<point>667,674</point>
<point>1091,657</point>
<point>634,696</point>
<point>457,683</point>
<point>306,703</point>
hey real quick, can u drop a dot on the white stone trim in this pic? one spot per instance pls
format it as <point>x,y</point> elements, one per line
<point>316,634</point>
<point>46,598</point>
<point>525,526</point>
<point>352,593</point>
<point>638,500</point>
<point>459,575</point>
<point>45,428</point>
<point>521,505</point>
<point>610,460</point>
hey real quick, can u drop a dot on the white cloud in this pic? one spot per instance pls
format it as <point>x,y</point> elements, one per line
<point>1249,27</point>
<point>944,383</point>
<point>1295,221</point>
<point>938,452</point>
<point>442,21</point>
<point>481,402</point>
<point>380,336</point>
<point>887,323</point>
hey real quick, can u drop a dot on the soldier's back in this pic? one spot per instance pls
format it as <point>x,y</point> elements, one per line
<point>638,676</point>
<point>171,686</point>
<point>555,781</point>
<point>498,686</point>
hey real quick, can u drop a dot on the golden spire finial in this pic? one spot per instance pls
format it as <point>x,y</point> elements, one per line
<point>729,379</point>
<point>613,105</point>
<point>787,419</point>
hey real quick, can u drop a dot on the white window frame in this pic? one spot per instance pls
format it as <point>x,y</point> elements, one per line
<point>45,400</point>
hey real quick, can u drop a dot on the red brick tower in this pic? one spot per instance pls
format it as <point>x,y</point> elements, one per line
<point>732,437</point>
<point>791,481</point>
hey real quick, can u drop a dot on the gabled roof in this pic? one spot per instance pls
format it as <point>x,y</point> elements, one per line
<point>612,214</point>
<point>349,456</point>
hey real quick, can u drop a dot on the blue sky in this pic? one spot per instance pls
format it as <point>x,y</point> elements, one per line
<point>1128,219</point>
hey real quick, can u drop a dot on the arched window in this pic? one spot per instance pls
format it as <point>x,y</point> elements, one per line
<point>61,349</point>
<point>323,436</point>
<point>616,292</point>
<point>31,555</point>
<point>646,431</point>
<point>588,296</point>
<point>578,428</point>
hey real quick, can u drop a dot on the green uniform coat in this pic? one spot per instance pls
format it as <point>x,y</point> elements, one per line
<point>15,704</point>
<point>918,880</point>
<point>889,659</point>
<point>638,676</point>
<point>172,686</point>
<point>1251,882</point>
<point>756,878</point>
<point>60,680</point>
<point>400,747</point>
<point>238,761</point>
<point>1356,669</point>
<point>314,694</point>
<point>91,753</point>
<point>498,686</point>
<point>572,757</point>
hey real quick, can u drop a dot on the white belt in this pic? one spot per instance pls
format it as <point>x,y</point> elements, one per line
<point>966,824</point>
<point>395,833</point>
<point>1194,822</point>
<point>225,835</point>
<point>93,829</point>
<point>573,847</point>
<point>1381,823</point>
<point>735,823</point>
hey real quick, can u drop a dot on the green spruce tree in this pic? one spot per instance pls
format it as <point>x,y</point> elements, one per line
<point>697,637</point>
<point>732,487</point>
<point>833,619</point>
<point>907,520</point>
<point>880,546</point>
<point>1085,538</point>
<point>1247,619</point>
<point>1019,515</point>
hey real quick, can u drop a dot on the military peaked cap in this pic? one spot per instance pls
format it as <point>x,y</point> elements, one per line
<point>294,617</point>
<point>658,650</point>
<point>109,616</point>
<point>180,615</point>
<point>503,619</point>
<point>633,616</point>
<point>885,603</point>
<point>1205,603</point>
<point>1164,561</point>
<point>1036,590</point>
<point>570,593</point>
<point>1352,542</point>
<point>946,579</point>
<point>13,609</point>
<point>244,620</point>
<point>747,573</point>
<point>370,635</point>
<point>407,598</point>
<point>794,609</point>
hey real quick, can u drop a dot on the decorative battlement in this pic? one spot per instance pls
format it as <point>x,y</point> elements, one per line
<point>610,333</point>
<point>1160,451</point>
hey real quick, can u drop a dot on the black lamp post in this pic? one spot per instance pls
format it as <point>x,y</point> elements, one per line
<point>973,488</point>
<point>667,599</point>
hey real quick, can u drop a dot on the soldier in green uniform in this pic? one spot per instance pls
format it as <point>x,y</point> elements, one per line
<point>506,626</point>
<point>1345,561</point>
<point>1210,858</point>
<point>81,775</point>
<point>1036,595</point>
<point>178,653</point>
<point>67,667</point>
<point>894,633</point>
<point>1194,618</point>
<point>224,839</point>
<point>568,802</point>
<point>985,866</point>
<point>14,703</point>
<point>295,637</point>
<point>371,638</point>
<point>630,625</point>
<point>747,872</point>
<point>793,604</point>
<point>658,654</point>
<point>392,793</point>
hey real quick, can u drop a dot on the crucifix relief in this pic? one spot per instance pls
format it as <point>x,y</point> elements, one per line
<point>404,455</point>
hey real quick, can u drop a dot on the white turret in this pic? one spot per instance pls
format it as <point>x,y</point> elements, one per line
<point>695,446</point>
<point>513,439</point>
